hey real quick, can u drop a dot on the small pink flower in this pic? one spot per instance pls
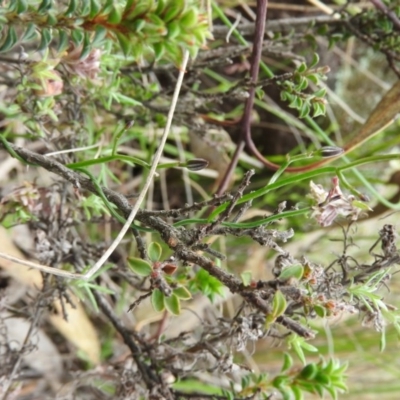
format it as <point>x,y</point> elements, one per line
<point>86,67</point>
<point>334,203</point>
<point>50,86</point>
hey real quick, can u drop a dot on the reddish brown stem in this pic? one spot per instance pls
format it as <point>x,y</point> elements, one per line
<point>245,123</point>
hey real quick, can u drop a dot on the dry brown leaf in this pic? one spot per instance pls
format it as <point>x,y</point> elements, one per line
<point>78,329</point>
<point>381,117</point>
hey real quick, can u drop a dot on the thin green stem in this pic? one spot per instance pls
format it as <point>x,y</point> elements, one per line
<point>105,159</point>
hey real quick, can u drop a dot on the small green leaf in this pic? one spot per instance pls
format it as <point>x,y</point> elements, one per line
<point>286,393</point>
<point>297,102</point>
<point>279,304</point>
<point>313,78</point>
<point>84,8</point>
<point>122,99</point>
<point>63,39</point>
<point>332,391</point>
<point>156,21</point>
<point>95,8</point>
<point>294,342</point>
<point>86,47</point>
<point>305,110</point>
<point>207,284</point>
<point>314,61</point>
<point>323,379</point>
<point>361,205</point>
<point>71,7</point>
<point>341,386</point>
<point>287,362</point>
<point>157,300</point>
<point>200,36</point>
<point>382,341</point>
<point>284,95</point>
<point>10,40</point>
<point>99,35</point>
<point>245,382</point>
<point>319,109</point>
<point>44,6</point>
<point>320,93</point>
<point>174,8</point>
<point>30,32</point>
<point>154,250</point>
<point>302,68</point>
<point>161,4</point>
<point>138,25</point>
<point>182,292</point>
<point>319,389</point>
<point>138,9</point>
<point>51,20</point>
<point>320,311</point>
<point>174,30</point>
<point>329,367</point>
<point>172,304</point>
<point>293,271</point>
<point>45,39</point>
<point>77,37</point>
<point>309,371</point>
<point>303,84</point>
<point>12,6</point>
<point>137,50</point>
<point>260,93</point>
<point>115,16</point>
<point>280,381</point>
<point>309,347</point>
<point>298,394</point>
<point>139,266</point>
<point>246,278</point>
<point>124,42</point>
<point>189,19</point>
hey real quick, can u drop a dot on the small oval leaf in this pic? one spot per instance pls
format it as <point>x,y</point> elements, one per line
<point>309,371</point>
<point>293,271</point>
<point>86,47</point>
<point>71,7</point>
<point>287,362</point>
<point>279,304</point>
<point>320,311</point>
<point>157,300</point>
<point>10,40</point>
<point>63,39</point>
<point>182,293</point>
<point>30,32</point>
<point>154,250</point>
<point>246,278</point>
<point>172,304</point>
<point>314,61</point>
<point>139,266</point>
